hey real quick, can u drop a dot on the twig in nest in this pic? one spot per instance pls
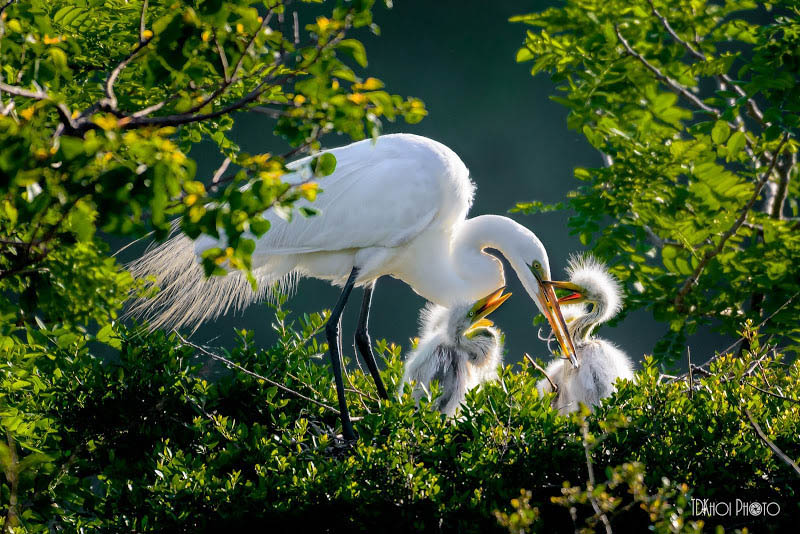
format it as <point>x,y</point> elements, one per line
<point>539,368</point>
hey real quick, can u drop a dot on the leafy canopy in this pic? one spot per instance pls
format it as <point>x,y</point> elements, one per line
<point>696,107</point>
<point>102,101</point>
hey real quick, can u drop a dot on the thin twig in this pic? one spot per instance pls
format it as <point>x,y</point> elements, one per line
<point>777,396</point>
<point>755,112</point>
<point>142,22</point>
<point>691,376</point>
<point>778,452</point>
<point>234,365</point>
<point>223,59</point>
<point>4,6</point>
<point>296,28</point>
<point>539,368</point>
<point>110,100</point>
<point>590,488</point>
<point>687,285</point>
<point>672,84</point>
<point>221,170</point>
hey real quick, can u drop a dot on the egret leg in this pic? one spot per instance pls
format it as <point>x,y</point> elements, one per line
<point>364,342</point>
<point>332,331</point>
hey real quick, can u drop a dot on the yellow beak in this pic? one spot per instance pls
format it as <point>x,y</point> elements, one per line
<point>550,304</point>
<point>575,297</point>
<point>484,307</point>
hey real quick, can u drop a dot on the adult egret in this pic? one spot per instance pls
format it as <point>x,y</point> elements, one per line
<point>458,347</point>
<point>394,206</point>
<point>596,298</point>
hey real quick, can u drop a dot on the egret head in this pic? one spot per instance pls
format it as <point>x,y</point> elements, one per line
<point>470,330</point>
<point>540,288</point>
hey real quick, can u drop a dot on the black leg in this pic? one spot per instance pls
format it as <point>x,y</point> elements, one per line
<point>364,343</point>
<point>332,330</point>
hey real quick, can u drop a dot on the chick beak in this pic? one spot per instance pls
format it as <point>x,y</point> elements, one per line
<point>576,296</point>
<point>485,306</point>
<point>550,305</point>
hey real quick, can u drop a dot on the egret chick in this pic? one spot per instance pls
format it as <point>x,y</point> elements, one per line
<point>459,347</point>
<point>595,299</point>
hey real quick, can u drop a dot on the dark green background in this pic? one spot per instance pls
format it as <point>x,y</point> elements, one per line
<point>458,57</point>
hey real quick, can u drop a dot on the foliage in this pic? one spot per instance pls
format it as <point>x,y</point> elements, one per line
<point>164,438</point>
<point>695,105</point>
<point>108,428</point>
<point>101,102</point>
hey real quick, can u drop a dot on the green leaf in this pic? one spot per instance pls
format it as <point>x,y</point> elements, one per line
<point>720,132</point>
<point>325,164</point>
<point>356,49</point>
<point>735,144</point>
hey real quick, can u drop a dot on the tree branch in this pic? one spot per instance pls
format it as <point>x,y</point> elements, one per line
<point>669,82</point>
<point>784,176</point>
<point>233,365</point>
<point>687,285</point>
<point>553,385</point>
<point>142,21</point>
<point>4,6</point>
<point>234,75</point>
<point>775,449</point>
<point>755,112</point>
<point>590,487</point>
<point>110,100</point>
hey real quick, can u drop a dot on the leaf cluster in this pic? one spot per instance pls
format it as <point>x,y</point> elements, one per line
<point>694,106</point>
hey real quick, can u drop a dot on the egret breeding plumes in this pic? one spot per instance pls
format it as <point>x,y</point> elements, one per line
<point>594,299</point>
<point>393,206</point>
<point>458,347</point>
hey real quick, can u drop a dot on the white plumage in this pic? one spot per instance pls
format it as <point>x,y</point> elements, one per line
<point>597,299</point>
<point>393,206</point>
<point>453,352</point>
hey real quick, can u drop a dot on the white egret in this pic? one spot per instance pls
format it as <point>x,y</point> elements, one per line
<point>394,206</point>
<point>596,298</point>
<point>458,347</point>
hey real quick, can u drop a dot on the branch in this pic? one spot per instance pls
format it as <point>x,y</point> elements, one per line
<point>223,59</point>
<point>796,401</point>
<point>672,84</point>
<point>233,365</point>
<point>778,452</point>
<point>687,285</point>
<point>110,100</point>
<point>590,487</point>
<point>4,6</point>
<point>221,170</point>
<point>12,475</point>
<point>142,21</point>
<point>784,176</point>
<point>755,112</point>
<point>234,75</point>
<point>553,385</point>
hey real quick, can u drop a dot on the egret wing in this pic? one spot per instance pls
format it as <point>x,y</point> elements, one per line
<point>376,200</point>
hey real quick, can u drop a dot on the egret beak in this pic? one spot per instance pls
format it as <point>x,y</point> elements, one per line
<point>552,312</point>
<point>484,307</point>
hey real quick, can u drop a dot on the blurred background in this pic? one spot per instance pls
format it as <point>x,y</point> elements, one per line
<point>458,57</point>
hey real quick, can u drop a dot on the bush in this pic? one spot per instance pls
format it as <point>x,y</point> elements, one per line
<point>164,439</point>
